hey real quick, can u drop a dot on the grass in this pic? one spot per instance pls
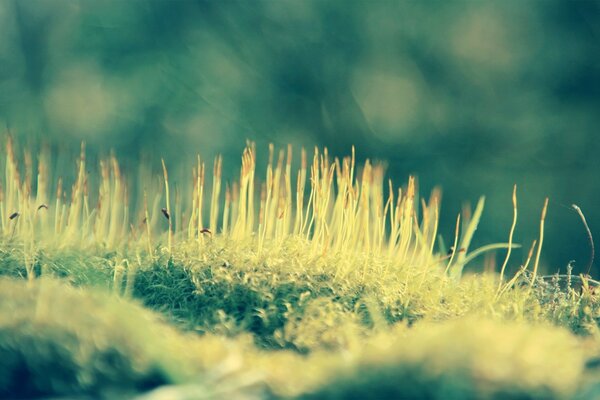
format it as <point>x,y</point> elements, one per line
<point>327,288</point>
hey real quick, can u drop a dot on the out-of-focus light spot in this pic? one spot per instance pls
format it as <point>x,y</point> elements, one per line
<point>205,132</point>
<point>81,102</point>
<point>291,11</point>
<point>390,102</point>
<point>482,38</point>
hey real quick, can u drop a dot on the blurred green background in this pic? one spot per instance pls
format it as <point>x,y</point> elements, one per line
<point>473,96</point>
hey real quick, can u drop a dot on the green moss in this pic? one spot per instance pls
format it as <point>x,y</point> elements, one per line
<point>284,301</point>
<point>462,359</point>
<point>346,278</point>
<point>226,299</point>
<point>91,267</point>
<point>63,340</point>
<point>235,290</point>
<point>57,340</point>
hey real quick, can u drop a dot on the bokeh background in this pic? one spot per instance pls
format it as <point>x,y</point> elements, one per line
<point>473,96</point>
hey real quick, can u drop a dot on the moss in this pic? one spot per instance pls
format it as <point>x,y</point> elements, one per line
<point>227,299</point>
<point>463,359</point>
<point>57,340</point>
<point>106,345</point>
<point>235,290</point>
<point>345,275</point>
<point>91,267</point>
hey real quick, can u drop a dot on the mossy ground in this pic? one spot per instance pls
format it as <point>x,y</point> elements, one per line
<point>271,294</point>
<point>243,324</point>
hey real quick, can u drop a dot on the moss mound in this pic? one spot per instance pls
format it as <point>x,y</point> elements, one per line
<point>229,300</point>
<point>303,303</point>
<point>90,268</point>
<point>463,359</point>
<point>58,340</point>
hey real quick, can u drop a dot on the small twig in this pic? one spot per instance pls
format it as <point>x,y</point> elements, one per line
<point>589,234</point>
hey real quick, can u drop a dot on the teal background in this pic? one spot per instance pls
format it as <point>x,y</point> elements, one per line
<point>472,96</point>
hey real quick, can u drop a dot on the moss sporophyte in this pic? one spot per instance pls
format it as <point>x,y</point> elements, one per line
<point>317,256</point>
<point>334,207</point>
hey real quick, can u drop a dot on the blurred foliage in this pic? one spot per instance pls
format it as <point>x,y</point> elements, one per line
<point>109,347</point>
<point>474,96</point>
<point>56,340</point>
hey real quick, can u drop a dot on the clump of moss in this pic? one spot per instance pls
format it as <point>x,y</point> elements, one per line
<point>58,340</point>
<point>219,297</point>
<point>466,359</point>
<point>91,267</point>
<point>289,302</point>
<point>297,301</point>
<point>570,301</point>
<point>334,267</point>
